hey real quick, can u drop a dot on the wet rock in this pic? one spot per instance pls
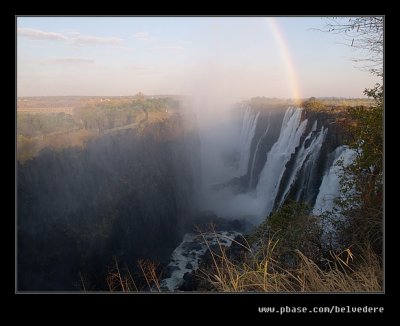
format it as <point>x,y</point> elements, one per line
<point>170,269</point>
<point>190,282</point>
<point>194,246</point>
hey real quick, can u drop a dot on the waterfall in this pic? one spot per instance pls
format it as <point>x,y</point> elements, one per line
<point>294,165</point>
<point>291,166</point>
<point>246,137</point>
<point>308,154</point>
<point>280,153</point>
<point>256,150</point>
<point>329,191</point>
<point>330,185</point>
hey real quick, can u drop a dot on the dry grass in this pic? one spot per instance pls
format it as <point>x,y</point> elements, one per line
<point>260,272</point>
<point>122,280</point>
<point>341,276</point>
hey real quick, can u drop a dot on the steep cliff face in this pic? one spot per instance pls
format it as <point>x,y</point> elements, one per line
<point>132,193</point>
<point>304,171</point>
<point>267,132</point>
<point>127,194</point>
<point>288,152</point>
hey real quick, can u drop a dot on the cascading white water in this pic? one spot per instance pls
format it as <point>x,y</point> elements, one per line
<point>329,191</point>
<point>186,257</point>
<point>330,185</point>
<point>256,150</point>
<point>278,156</point>
<point>229,201</point>
<point>309,154</point>
<point>256,204</point>
<point>246,137</point>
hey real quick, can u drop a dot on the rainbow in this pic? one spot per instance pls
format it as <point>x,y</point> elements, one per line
<point>287,58</point>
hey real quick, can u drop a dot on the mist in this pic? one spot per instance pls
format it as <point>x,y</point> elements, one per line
<point>217,97</point>
<point>133,138</point>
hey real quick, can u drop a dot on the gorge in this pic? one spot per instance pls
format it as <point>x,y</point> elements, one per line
<point>135,194</point>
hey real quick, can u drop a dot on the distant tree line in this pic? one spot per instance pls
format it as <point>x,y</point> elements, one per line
<point>116,113</point>
<point>100,116</point>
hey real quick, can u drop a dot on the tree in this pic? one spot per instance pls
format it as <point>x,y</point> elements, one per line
<point>139,96</point>
<point>365,34</point>
<point>362,180</point>
<point>313,104</point>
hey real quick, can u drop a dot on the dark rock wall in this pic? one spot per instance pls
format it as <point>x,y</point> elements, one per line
<point>309,177</point>
<point>128,194</point>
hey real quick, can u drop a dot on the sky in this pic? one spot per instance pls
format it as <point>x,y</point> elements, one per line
<point>284,57</point>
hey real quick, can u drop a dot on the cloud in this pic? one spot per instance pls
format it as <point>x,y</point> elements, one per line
<point>36,34</point>
<point>72,61</point>
<point>73,38</point>
<point>72,33</point>
<point>144,36</point>
<point>86,39</point>
<point>168,48</point>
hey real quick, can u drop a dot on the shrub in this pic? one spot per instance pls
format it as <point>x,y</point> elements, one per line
<point>295,228</point>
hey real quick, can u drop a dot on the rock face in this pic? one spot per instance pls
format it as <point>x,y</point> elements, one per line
<point>308,145</point>
<point>128,194</point>
<point>304,171</point>
<point>195,280</point>
<point>187,257</point>
<point>133,194</point>
<point>267,132</point>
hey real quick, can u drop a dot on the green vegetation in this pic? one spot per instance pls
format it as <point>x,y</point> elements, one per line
<point>323,103</point>
<point>273,259</point>
<point>286,253</point>
<point>295,228</point>
<point>362,181</point>
<point>313,104</point>
<point>30,125</point>
<point>116,113</point>
<point>90,118</point>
